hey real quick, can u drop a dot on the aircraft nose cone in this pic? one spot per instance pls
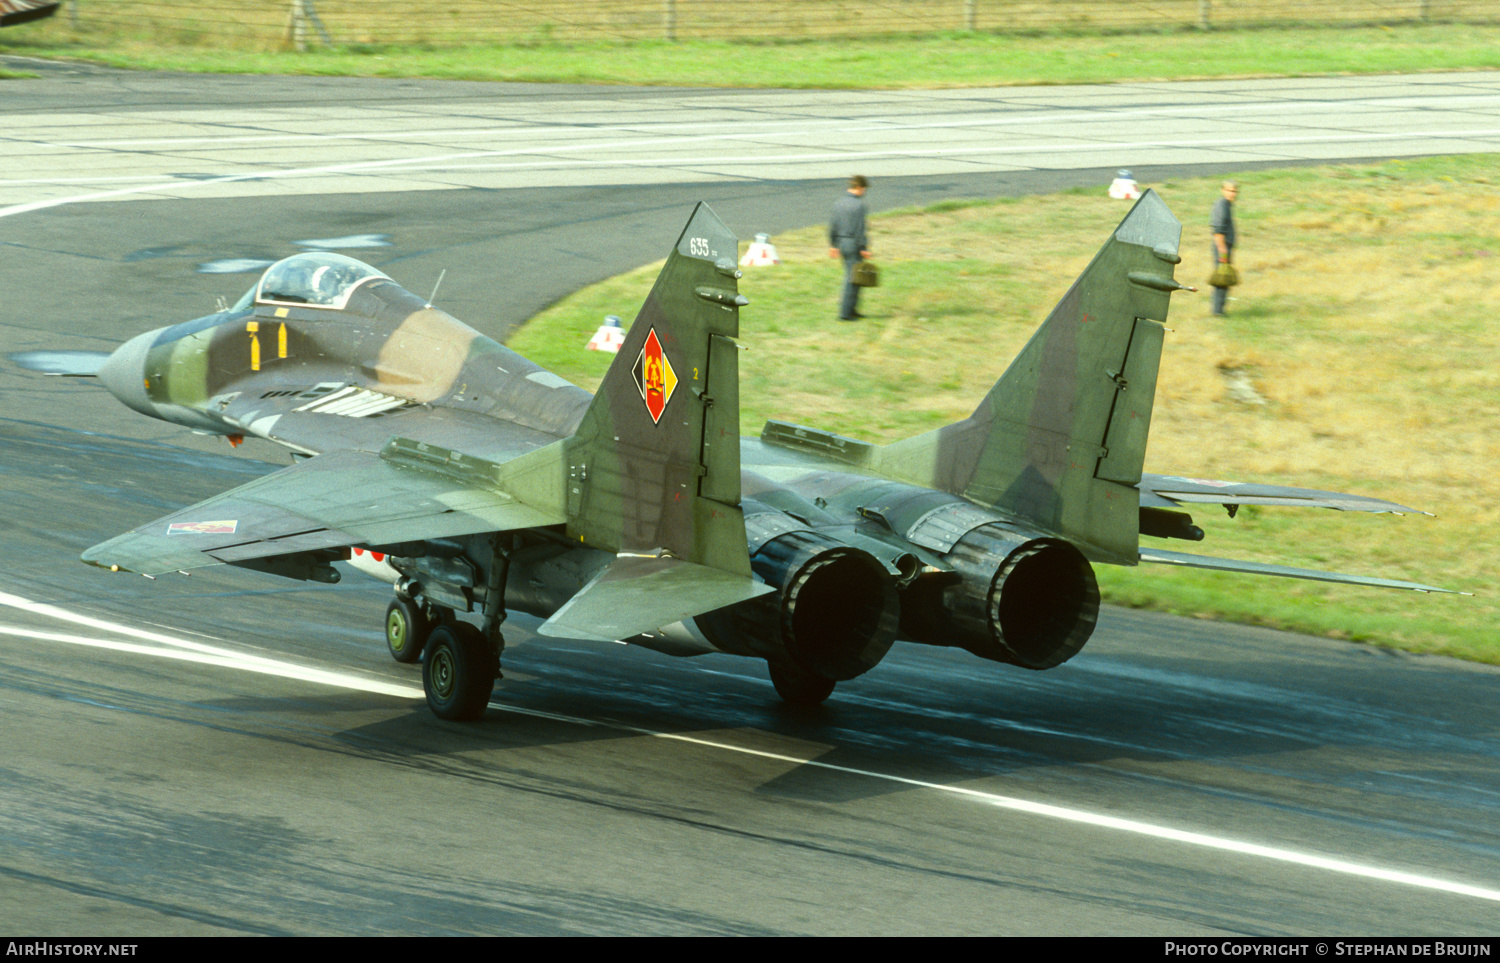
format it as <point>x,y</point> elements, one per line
<point>124,373</point>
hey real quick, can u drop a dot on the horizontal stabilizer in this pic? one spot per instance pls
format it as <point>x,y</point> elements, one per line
<point>343,498</point>
<point>1165,491</point>
<point>1261,568</point>
<point>642,593</point>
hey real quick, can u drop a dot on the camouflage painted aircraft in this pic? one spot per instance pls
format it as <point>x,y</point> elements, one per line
<point>477,482</point>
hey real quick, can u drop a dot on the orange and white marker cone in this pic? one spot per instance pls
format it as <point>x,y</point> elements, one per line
<point>609,337</point>
<point>762,253</point>
<point>1124,187</point>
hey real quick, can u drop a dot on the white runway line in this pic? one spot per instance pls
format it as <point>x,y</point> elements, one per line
<point>186,650</point>
<point>449,161</point>
<point>227,659</point>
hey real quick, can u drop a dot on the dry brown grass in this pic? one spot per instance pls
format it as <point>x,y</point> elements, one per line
<point>264,23</point>
<point>1364,320</point>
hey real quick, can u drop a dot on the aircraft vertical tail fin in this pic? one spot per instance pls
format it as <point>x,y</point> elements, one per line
<point>1060,439</point>
<point>654,467</point>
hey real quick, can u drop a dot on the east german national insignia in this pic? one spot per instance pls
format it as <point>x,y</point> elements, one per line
<point>226,527</point>
<point>654,376</point>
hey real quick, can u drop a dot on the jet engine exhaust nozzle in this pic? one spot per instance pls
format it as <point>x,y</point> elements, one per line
<point>1035,608</point>
<point>839,613</point>
<point>1043,604</point>
<point>836,614</point>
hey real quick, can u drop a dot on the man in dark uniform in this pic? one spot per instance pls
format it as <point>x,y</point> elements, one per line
<point>1221,223</point>
<point>846,239</point>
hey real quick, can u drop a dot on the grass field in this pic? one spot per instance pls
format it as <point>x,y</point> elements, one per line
<point>1365,326</point>
<point>268,24</point>
<point>943,60</point>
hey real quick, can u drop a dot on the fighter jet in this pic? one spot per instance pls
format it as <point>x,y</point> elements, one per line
<point>478,483</point>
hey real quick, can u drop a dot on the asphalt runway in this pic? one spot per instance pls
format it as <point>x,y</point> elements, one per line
<point>236,754</point>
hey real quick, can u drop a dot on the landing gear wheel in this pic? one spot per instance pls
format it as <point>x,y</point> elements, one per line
<point>459,667</point>
<point>800,688</point>
<point>406,629</point>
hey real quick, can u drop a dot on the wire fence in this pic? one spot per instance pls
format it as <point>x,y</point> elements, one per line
<point>445,23</point>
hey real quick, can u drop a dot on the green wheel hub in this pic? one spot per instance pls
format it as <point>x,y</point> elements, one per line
<point>396,629</point>
<point>444,672</point>
<point>406,630</point>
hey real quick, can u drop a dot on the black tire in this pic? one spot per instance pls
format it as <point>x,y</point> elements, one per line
<point>406,630</point>
<point>459,667</point>
<point>799,688</point>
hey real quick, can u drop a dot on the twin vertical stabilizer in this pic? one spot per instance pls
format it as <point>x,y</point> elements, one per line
<point>653,471</point>
<point>1060,439</point>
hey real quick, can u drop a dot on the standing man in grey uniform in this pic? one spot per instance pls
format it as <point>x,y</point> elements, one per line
<point>1221,223</point>
<point>846,239</point>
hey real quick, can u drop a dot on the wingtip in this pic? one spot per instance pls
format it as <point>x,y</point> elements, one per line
<point>107,566</point>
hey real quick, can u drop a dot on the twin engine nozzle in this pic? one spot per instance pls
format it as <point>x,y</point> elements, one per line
<point>1007,596</point>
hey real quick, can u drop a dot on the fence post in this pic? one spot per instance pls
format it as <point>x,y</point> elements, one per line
<point>1205,14</point>
<point>970,18</point>
<point>669,19</point>
<point>296,26</point>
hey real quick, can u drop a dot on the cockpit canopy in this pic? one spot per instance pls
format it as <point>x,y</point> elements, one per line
<point>317,279</point>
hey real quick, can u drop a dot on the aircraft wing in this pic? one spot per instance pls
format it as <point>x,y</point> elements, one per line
<point>331,501</point>
<point>1287,571</point>
<point>1167,491</point>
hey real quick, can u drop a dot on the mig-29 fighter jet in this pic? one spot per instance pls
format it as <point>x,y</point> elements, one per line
<point>476,482</point>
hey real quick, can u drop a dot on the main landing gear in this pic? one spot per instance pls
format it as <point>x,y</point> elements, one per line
<point>459,669</point>
<point>460,663</point>
<point>406,628</point>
